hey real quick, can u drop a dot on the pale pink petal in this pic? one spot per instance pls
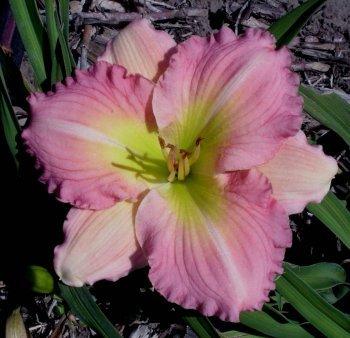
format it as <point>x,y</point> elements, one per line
<point>238,94</point>
<point>141,49</point>
<point>300,173</point>
<point>214,249</point>
<point>98,245</point>
<point>83,136</point>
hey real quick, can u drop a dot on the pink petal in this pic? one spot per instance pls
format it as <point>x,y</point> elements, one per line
<point>83,133</point>
<point>300,173</point>
<point>238,94</point>
<point>140,49</point>
<point>214,250</point>
<point>98,245</point>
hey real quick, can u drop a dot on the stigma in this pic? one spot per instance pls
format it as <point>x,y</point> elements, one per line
<point>178,160</point>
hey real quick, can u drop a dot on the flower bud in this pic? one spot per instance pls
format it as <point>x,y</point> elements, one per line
<point>14,325</point>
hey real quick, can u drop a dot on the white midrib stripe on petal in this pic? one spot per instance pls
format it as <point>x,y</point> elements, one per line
<point>81,131</point>
<point>233,86</point>
<point>226,256</point>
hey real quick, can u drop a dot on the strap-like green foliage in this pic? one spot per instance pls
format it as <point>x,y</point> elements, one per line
<point>51,65</point>
<point>84,306</point>
<point>201,326</point>
<point>333,213</point>
<point>325,317</point>
<point>330,109</point>
<point>32,34</point>
<point>320,276</point>
<point>289,26</point>
<point>264,323</point>
<point>9,122</point>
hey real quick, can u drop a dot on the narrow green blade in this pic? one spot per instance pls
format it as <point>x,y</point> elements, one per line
<point>84,306</point>
<point>330,109</point>
<point>64,17</point>
<point>333,213</point>
<point>201,326</point>
<point>262,322</point>
<point>286,28</point>
<point>52,33</point>
<point>333,297</point>
<point>9,121</point>
<point>62,62</point>
<point>320,276</point>
<point>234,333</point>
<point>67,61</point>
<point>36,21</point>
<point>325,317</point>
<point>29,29</point>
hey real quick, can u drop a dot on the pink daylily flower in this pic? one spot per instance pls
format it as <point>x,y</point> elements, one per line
<point>187,158</point>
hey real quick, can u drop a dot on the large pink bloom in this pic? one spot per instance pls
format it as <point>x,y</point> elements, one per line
<point>188,158</point>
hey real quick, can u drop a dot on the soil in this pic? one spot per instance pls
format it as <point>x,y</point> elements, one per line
<point>322,58</point>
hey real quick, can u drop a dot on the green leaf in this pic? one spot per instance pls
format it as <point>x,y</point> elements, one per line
<point>325,317</point>
<point>62,61</point>
<point>327,278</point>
<point>320,276</point>
<point>52,33</point>
<point>32,35</point>
<point>234,333</point>
<point>330,109</point>
<point>257,320</point>
<point>201,326</point>
<point>9,121</point>
<point>64,17</point>
<point>84,306</point>
<point>332,296</point>
<point>286,28</point>
<point>333,213</point>
<point>40,279</point>
<point>66,56</point>
<point>262,322</point>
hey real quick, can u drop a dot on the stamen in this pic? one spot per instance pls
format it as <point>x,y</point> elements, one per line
<point>171,160</point>
<point>186,165</point>
<point>171,177</point>
<point>179,161</point>
<point>162,147</point>
<point>181,170</point>
<point>176,150</point>
<point>195,154</point>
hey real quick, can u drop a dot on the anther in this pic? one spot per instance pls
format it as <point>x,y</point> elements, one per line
<point>161,142</point>
<point>162,147</point>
